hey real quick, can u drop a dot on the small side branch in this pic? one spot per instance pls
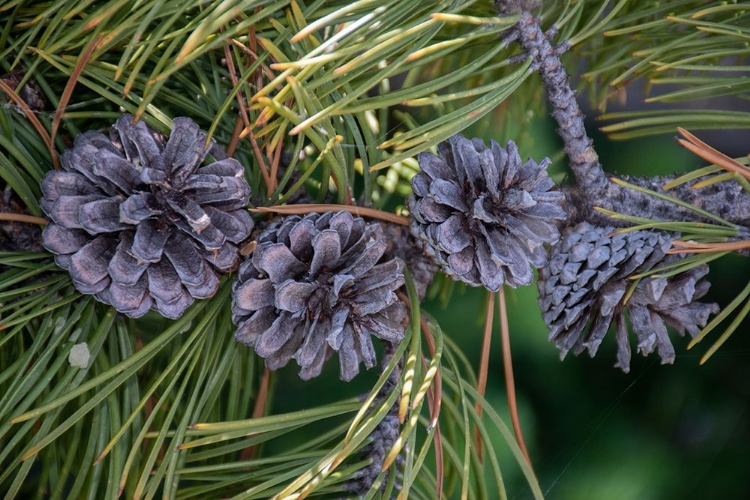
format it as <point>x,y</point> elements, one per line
<point>579,147</point>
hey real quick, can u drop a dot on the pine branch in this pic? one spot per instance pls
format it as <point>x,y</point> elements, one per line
<point>96,405</point>
<point>727,200</point>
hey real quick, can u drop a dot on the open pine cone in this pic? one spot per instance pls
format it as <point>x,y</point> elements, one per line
<point>482,213</point>
<point>312,286</point>
<point>583,290</point>
<point>137,220</point>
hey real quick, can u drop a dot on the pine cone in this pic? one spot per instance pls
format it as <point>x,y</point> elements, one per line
<point>586,282</point>
<point>403,245</point>
<point>139,223</point>
<point>382,439</point>
<point>482,214</point>
<point>312,286</point>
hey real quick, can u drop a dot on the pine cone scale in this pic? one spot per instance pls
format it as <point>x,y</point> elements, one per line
<point>293,297</point>
<point>326,249</point>
<point>101,216</point>
<point>222,169</point>
<point>384,327</point>
<point>65,209</point>
<point>277,262</point>
<point>164,282</point>
<point>123,267</point>
<point>62,183</point>
<point>373,251</point>
<point>461,264</point>
<point>387,274</point>
<point>254,294</point>
<point>313,346</point>
<point>278,335</point>
<point>130,298</point>
<point>249,330</point>
<point>139,208</point>
<point>210,238</point>
<point>89,266</point>
<point>453,235</point>
<point>117,170</point>
<point>233,225</point>
<point>448,193</point>
<point>228,195</point>
<point>60,240</point>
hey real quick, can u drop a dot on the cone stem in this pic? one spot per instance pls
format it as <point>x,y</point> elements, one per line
<point>579,147</point>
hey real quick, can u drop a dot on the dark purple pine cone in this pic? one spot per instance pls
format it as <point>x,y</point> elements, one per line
<point>313,286</point>
<point>581,292</point>
<point>403,245</point>
<point>383,437</point>
<point>137,220</point>
<point>482,213</point>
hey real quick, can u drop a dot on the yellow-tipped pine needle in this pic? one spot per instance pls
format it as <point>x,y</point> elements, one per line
<point>456,18</point>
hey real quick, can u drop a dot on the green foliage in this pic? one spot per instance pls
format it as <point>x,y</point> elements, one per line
<point>698,47</point>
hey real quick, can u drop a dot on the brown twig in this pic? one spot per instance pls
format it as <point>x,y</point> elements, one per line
<point>235,82</point>
<point>84,59</point>
<point>258,154</point>
<point>31,219</point>
<point>510,385</point>
<point>260,403</point>
<point>34,121</point>
<point>564,108</point>
<point>235,139</point>
<point>484,366</point>
<point>252,52</point>
<point>275,162</point>
<point>244,115</point>
<point>302,209</point>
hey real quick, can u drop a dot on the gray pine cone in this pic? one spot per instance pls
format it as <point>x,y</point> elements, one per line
<point>581,293</point>
<point>137,220</point>
<point>383,437</point>
<point>403,245</point>
<point>312,286</point>
<point>482,213</point>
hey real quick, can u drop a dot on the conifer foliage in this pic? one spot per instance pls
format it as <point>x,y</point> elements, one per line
<point>196,194</point>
